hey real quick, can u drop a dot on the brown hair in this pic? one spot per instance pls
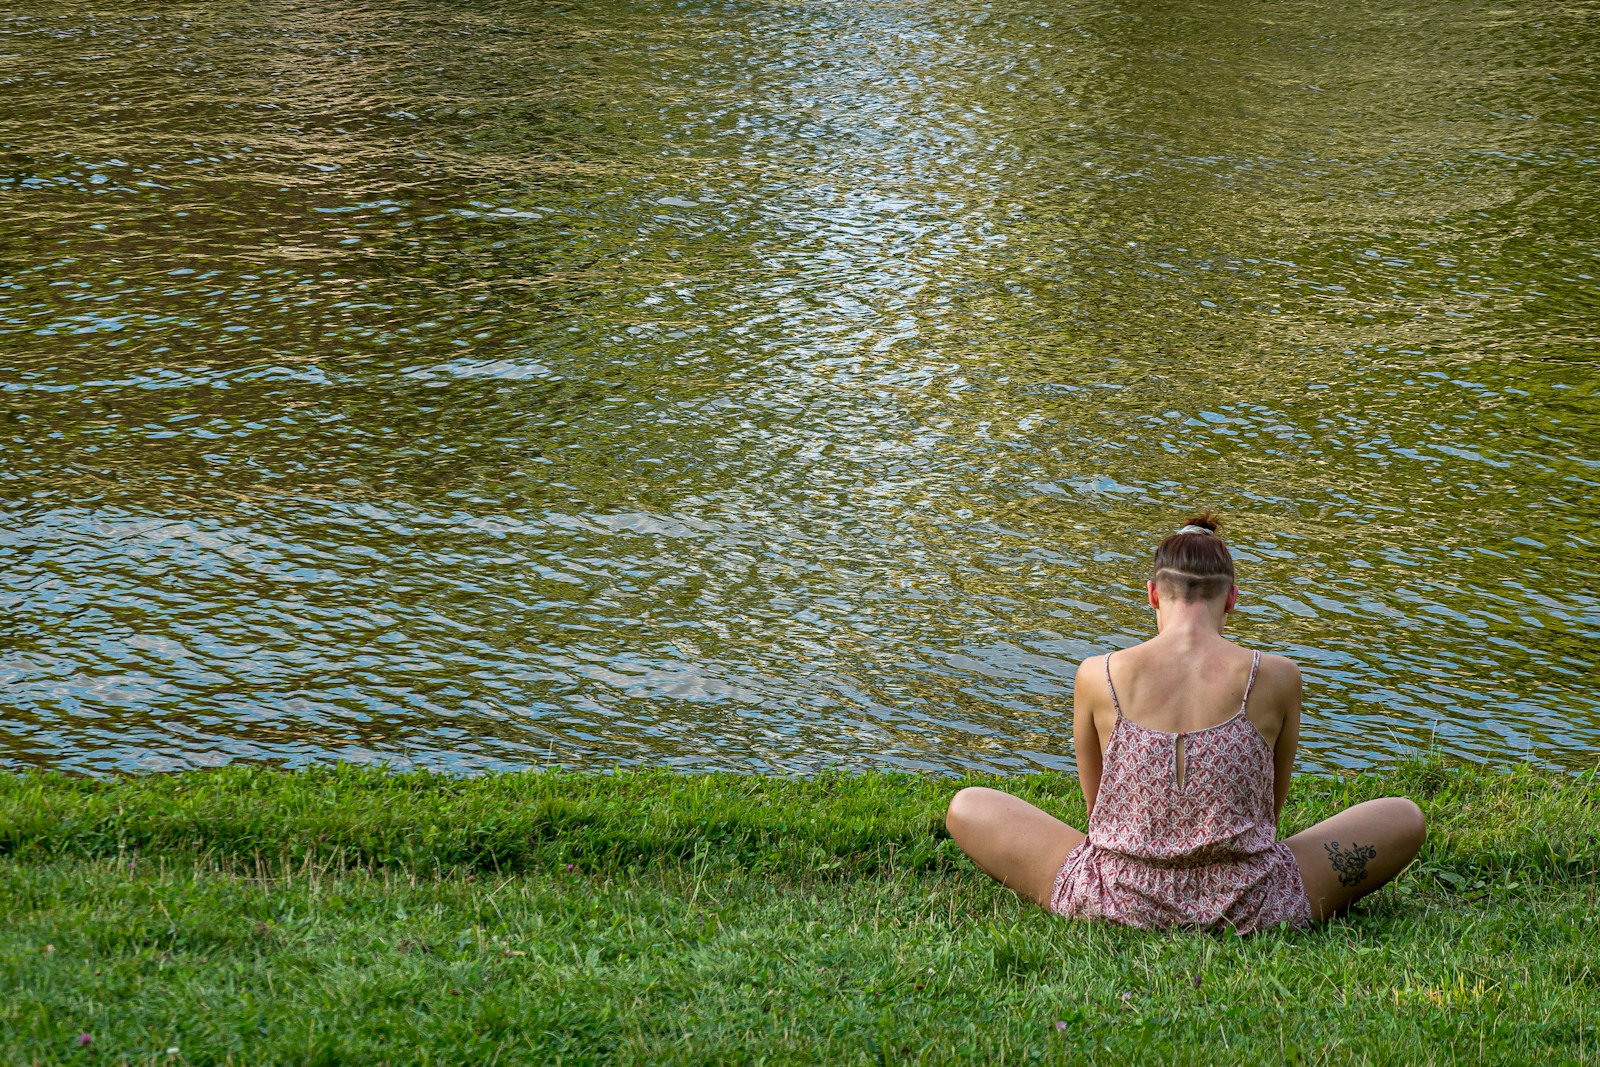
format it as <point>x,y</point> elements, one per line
<point>1195,565</point>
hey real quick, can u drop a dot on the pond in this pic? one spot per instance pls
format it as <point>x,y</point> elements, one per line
<point>773,385</point>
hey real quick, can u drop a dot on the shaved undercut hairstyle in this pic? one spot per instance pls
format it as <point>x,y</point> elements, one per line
<point>1194,565</point>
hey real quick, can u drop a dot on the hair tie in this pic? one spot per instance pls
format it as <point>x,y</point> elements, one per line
<point>1192,528</point>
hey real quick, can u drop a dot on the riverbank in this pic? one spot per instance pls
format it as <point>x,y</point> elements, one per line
<point>341,916</point>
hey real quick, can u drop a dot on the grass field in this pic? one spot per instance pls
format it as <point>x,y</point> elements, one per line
<point>348,916</point>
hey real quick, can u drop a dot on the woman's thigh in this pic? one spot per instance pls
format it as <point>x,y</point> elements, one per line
<point>1348,856</point>
<point>1014,842</point>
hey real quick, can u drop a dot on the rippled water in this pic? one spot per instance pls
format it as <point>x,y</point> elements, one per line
<point>774,385</point>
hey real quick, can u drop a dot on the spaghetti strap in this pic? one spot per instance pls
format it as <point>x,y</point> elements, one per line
<point>1255,661</point>
<point>1114,701</point>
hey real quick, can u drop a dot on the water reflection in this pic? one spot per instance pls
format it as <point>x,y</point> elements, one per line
<point>771,388</point>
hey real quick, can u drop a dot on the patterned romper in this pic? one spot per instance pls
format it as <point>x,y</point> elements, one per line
<point>1203,852</point>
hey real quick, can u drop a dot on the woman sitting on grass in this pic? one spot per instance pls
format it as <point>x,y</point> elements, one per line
<point>1185,746</point>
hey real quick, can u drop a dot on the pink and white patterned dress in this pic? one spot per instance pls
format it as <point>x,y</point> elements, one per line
<point>1200,851</point>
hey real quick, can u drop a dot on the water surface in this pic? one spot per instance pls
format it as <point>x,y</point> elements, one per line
<point>771,386</point>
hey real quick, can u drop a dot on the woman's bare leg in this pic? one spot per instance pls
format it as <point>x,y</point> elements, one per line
<point>1014,842</point>
<point>1348,856</point>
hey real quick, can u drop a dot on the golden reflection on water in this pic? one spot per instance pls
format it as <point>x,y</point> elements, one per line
<point>783,387</point>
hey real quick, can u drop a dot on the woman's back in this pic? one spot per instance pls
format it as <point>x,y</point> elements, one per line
<point>1187,679</point>
<point>1183,684</point>
<point>1184,797</point>
<point>1184,827</point>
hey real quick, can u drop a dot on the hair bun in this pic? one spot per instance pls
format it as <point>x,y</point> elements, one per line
<point>1207,518</point>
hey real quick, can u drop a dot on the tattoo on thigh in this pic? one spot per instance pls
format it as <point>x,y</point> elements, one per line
<point>1351,863</point>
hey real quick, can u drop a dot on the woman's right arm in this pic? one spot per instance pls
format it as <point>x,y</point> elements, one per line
<point>1085,738</point>
<point>1288,742</point>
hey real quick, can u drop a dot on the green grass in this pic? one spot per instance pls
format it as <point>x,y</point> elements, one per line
<point>346,916</point>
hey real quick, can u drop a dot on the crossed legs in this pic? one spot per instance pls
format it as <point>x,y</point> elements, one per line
<point>1341,859</point>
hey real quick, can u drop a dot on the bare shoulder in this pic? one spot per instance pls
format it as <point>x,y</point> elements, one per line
<point>1279,674</point>
<point>1093,667</point>
<point>1089,684</point>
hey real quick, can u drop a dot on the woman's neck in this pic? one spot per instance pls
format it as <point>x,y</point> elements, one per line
<point>1190,621</point>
